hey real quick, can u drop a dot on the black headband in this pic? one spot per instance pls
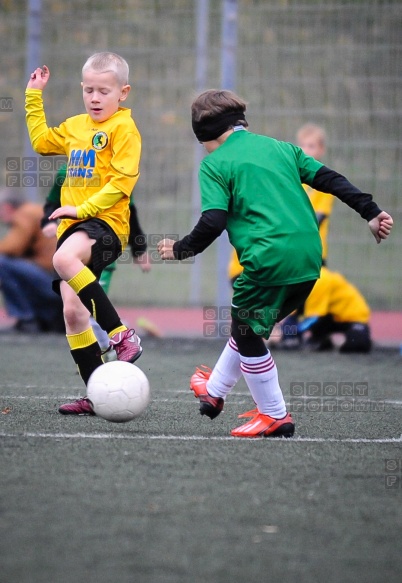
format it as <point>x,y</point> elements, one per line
<point>211,127</point>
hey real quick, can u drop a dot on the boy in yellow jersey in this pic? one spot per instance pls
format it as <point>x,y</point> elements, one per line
<point>103,147</point>
<point>137,242</point>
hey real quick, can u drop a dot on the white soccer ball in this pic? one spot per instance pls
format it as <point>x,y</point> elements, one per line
<point>119,391</point>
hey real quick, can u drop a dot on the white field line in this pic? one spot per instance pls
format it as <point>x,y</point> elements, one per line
<point>187,392</point>
<point>39,397</point>
<point>324,400</point>
<point>161,391</point>
<point>121,436</point>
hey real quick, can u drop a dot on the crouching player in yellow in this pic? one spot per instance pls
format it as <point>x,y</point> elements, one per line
<point>335,304</point>
<point>103,149</point>
<point>251,185</point>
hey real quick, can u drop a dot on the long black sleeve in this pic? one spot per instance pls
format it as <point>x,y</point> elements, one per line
<point>327,180</point>
<point>137,240</point>
<point>211,224</point>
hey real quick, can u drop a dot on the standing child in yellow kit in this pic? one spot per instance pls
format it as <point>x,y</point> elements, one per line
<point>103,147</point>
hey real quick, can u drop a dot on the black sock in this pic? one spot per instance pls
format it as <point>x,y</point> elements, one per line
<point>96,301</point>
<point>87,360</point>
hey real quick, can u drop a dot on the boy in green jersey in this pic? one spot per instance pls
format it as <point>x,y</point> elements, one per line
<point>251,185</point>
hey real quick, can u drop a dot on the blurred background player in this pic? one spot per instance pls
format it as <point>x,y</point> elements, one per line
<point>137,241</point>
<point>335,305</point>
<point>26,269</point>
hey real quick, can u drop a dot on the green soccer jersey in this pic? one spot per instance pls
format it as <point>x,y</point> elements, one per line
<point>271,222</point>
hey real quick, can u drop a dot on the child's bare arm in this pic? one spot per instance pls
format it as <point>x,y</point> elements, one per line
<point>64,212</point>
<point>381,226</point>
<point>143,261</point>
<point>165,249</point>
<point>39,78</point>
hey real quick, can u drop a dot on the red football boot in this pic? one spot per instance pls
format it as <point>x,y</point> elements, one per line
<point>251,413</point>
<point>265,426</point>
<point>209,406</point>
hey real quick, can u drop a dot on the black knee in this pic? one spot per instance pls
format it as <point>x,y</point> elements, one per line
<point>357,339</point>
<point>248,342</point>
<point>322,327</point>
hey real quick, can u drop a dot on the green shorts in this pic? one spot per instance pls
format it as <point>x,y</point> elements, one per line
<point>262,307</point>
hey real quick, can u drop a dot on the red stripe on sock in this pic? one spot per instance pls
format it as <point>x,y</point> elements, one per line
<point>256,365</point>
<point>256,372</point>
<point>233,345</point>
<point>263,367</point>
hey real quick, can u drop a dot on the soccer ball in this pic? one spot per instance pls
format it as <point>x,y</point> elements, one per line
<point>118,391</point>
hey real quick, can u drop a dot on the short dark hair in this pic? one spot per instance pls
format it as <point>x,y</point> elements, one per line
<point>217,101</point>
<point>215,111</point>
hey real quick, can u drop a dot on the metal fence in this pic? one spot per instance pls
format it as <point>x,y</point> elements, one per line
<point>336,63</point>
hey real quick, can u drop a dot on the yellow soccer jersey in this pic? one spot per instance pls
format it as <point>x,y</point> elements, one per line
<point>333,294</point>
<point>103,159</point>
<point>234,267</point>
<point>322,204</point>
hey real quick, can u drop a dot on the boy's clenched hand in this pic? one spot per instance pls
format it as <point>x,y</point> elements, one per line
<point>39,78</point>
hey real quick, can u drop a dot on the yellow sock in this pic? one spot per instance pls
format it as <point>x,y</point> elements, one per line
<point>117,330</point>
<point>86,353</point>
<point>81,340</point>
<point>81,279</point>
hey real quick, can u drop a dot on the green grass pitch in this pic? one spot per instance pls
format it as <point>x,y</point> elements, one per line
<point>171,498</point>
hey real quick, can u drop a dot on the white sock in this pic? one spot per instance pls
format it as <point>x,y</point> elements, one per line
<point>101,336</point>
<point>226,372</point>
<point>261,376</point>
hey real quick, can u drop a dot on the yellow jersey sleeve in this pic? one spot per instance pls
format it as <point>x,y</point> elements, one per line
<point>99,202</point>
<point>322,205</point>
<point>321,201</point>
<point>124,168</point>
<point>46,141</point>
<point>234,267</point>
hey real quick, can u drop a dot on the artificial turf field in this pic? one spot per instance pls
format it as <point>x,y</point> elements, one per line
<point>171,498</point>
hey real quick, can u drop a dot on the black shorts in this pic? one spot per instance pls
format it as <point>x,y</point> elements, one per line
<point>105,250</point>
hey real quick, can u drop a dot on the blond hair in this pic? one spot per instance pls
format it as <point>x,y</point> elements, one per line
<point>312,129</point>
<point>105,62</point>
